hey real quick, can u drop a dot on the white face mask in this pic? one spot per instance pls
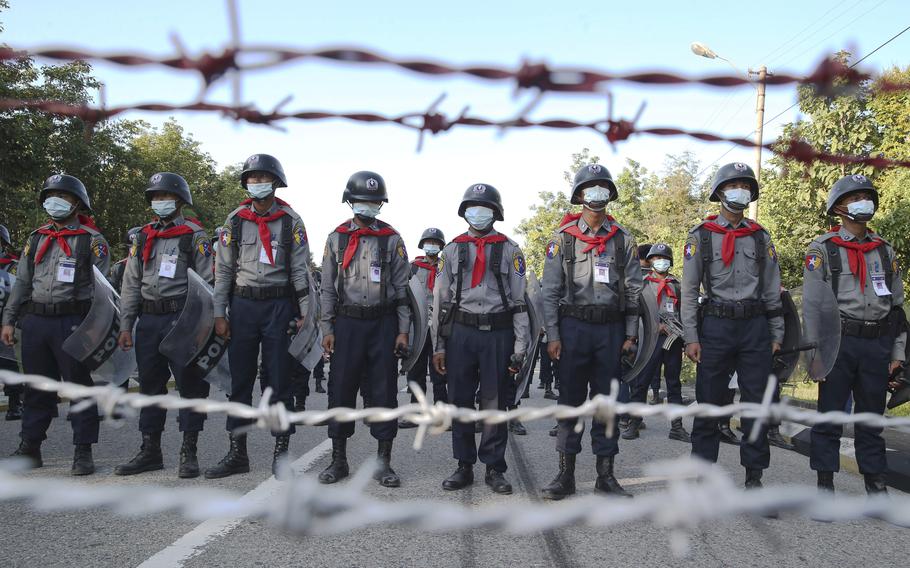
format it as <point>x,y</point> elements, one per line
<point>596,197</point>
<point>479,217</point>
<point>366,209</point>
<point>431,250</point>
<point>861,211</point>
<point>58,208</point>
<point>661,265</point>
<point>737,199</point>
<point>164,208</point>
<point>259,190</point>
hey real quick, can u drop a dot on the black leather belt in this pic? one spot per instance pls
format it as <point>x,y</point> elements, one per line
<point>735,310</point>
<point>80,307</point>
<point>163,306</point>
<point>591,313</point>
<point>485,322</point>
<point>365,312</point>
<point>865,329</point>
<point>264,292</point>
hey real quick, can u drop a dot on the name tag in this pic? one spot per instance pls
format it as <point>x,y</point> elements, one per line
<point>375,272</point>
<point>602,272</point>
<point>66,270</point>
<point>264,256</point>
<point>669,306</point>
<point>879,285</point>
<point>168,267</point>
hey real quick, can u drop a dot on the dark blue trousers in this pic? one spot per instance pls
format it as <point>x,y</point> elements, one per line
<point>480,359</point>
<point>155,370</point>
<point>671,361</point>
<point>418,374</point>
<point>591,358</point>
<point>730,345</point>
<point>364,355</point>
<point>10,390</point>
<point>861,370</point>
<point>254,323</point>
<point>43,354</point>
<point>548,369</point>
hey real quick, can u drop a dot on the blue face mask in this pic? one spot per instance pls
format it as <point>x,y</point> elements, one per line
<point>431,250</point>
<point>366,209</point>
<point>259,190</point>
<point>479,217</point>
<point>164,209</point>
<point>58,208</point>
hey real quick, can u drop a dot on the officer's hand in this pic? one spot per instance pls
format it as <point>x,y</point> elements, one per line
<point>401,343</point>
<point>300,322</point>
<point>554,349</point>
<point>516,362</point>
<point>439,363</point>
<point>693,352</point>
<point>663,330</point>
<point>222,329</point>
<point>891,367</point>
<point>775,347</point>
<point>328,344</point>
<point>8,335</point>
<point>629,346</point>
<point>125,341</point>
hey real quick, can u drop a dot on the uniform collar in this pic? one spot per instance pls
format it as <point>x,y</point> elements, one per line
<point>848,236</point>
<point>723,222</point>
<point>585,228</point>
<point>176,221</point>
<point>374,226</point>
<point>272,209</point>
<point>471,232</point>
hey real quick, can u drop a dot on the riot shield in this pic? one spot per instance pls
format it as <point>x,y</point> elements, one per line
<point>306,346</point>
<point>901,394</point>
<point>785,362</point>
<point>7,281</point>
<point>534,301</point>
<point>192,342</point>
<point>420,322</point>
<point>821,326</point>
<point>95,339</point>
<point>648,336</point>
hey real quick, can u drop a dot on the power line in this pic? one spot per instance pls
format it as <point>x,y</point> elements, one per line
<point>803,31</point>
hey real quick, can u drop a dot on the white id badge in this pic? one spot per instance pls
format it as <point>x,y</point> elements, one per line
<point>602,272</point>
<point>66,270</point>
<point>879,285</point>
<point>168,268</point>
<point>264,256</point>
<point>669,306</point>
<point>375,272</point>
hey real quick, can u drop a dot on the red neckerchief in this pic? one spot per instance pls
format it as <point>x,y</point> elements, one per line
<point>265,236</point>
<point>354,240</point>
<point>59,237</point>
<point>432,268</point>
<point>728,247</point>
<point>856,254</point>
<point>8,259</point>
<point>480,261</point>
<point>600,242</point>
<point>151,234</point>
<point>663,285</point>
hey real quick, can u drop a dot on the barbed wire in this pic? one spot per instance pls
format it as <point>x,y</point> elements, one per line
<point>697,495</point>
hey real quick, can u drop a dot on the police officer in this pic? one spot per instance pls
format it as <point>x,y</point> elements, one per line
<point>118,268</point>
<point>154,291</point>
<point>364,305</point>
<point>481,331</point>
<point>591,286</point>
<point>52,295</point>
<point>643,261</point>
<point>261,273</point>
<point>666,290</point>
<point>426,269</point>
<point>862,270</point>
<point>734,259</point>
<point>9,262</point>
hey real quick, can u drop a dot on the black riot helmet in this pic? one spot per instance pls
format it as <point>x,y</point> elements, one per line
<point>263,163</point>
<point>660,249</point>
<point>431,234</point>
<point>5,239</point>
<point>130,235</point>
<point>482,194</point>
<point>592,174</point>
<point>847,185</point>
<point>66,184</point>
<point>735,171</point>
<point>171,183</point>
<point>365,186</point>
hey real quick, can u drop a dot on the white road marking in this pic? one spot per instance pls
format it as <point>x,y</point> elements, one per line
<point>195,541</point>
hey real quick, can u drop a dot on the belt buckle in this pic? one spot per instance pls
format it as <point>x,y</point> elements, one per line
<point>739,311</point>
<point>485,327</point>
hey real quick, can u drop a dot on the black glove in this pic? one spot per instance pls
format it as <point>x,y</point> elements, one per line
<point>402,351</point>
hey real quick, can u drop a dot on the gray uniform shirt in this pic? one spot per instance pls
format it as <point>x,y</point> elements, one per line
<point>854,302</point>
<point>423,274</point>
<point>149,282</point>
<point>737,281</point>
<point>252,268</point>
<point>485,297</point>
<point>360,289</point>
<point>40,283</point>
<point>666,305</point>
<point>588,291</point>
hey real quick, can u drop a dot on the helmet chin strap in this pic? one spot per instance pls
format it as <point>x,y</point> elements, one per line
<point>733,207</point>
<point>596,209</point>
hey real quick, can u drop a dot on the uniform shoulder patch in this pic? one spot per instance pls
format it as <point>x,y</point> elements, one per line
<point>300,237</point>
<point>442,262</point>
<point>552,249</point>
<point>689,250</point>
<point>224,236</point>
<point>28,246</point>
<point>99,248</point>
<point>814,261</point>
<point>402,252</point>
<point>518,263</point>
<point>204,245</point>
<point>772,252</point>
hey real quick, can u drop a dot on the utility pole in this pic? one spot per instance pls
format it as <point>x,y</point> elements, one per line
<point>759,128</point>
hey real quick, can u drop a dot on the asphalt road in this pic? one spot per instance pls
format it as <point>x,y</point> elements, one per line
<point>99,538</point>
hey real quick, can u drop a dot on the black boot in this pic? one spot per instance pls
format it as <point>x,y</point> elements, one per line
<point>497,481</point>
<point>606,481</point>
<point>338,469</point>
<point>299,403</point>
<point>189,464</point>
<point>554,431</point>
<point>319,387</point>
<point>406,424</point>
<point>726,435</point>
<point>623,422</point>
<point>149,457</point>
<point>564,483</point>
<point>631,432</point>
<point>462,477</point>
<point>753,479</point>
<point>826,481</point>
<point>384,474</point>
<point>30,452</point>
<point>236,461</point>
<point>517,428</point>
<point>14,407</point>
<point>549,394</point>
<point>281,451</point>
<point>776,439</point>
<point>541,385</point>
<point>875,484</point>
<point>83,464</point>
<point>677,432</point>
